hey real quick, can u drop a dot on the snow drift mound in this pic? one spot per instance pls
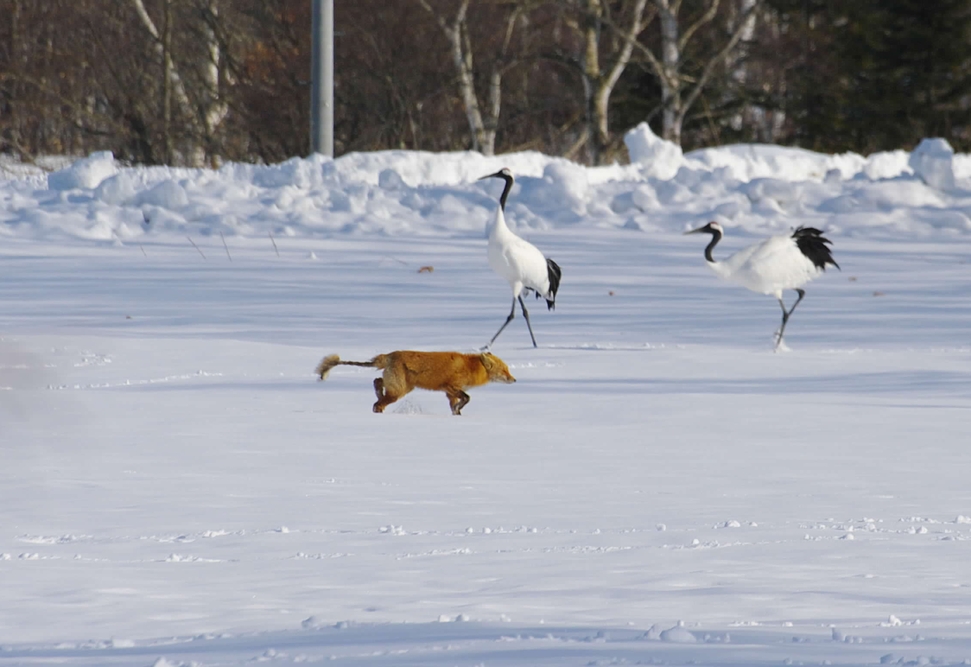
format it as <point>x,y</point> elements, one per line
<point>933,162</point>
<point>86,173</point>
<point>756,188</point>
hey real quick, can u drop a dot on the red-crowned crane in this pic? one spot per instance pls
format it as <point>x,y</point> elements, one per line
<point>778,263</point>
<point>519,262</point>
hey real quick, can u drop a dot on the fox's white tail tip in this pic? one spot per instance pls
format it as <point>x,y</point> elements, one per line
<point>327,363</point>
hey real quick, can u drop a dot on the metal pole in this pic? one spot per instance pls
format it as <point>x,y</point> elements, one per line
<point>322,75</point>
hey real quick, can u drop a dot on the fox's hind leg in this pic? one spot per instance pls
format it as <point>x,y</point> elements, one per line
<point>457,399</point>
<point>382,396</point>
<point>385,396</point>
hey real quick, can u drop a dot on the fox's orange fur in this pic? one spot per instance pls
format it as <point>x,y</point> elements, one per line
<point>451,372</point>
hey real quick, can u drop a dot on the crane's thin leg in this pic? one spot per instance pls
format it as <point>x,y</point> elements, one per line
<point>786,314</point>
<point>512,314</point>
<point>529,326</point>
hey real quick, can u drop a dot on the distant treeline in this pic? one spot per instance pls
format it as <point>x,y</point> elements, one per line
<point>197,82</point>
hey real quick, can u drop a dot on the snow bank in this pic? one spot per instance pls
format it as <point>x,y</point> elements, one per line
<point>933,162</point>
<point>661,158</point>
<point>749,161</point>
<point>85,174</point>
<point>757,188</point>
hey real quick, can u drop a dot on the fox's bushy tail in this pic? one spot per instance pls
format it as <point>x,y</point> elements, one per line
<point>331,360</point>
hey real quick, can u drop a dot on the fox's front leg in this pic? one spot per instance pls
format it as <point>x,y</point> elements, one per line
<point>457,399</point>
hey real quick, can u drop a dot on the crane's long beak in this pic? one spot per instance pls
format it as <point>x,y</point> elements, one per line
<point>498,174</point>
<point>696,231</point>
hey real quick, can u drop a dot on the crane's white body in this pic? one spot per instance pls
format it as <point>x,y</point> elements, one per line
<point>778,263</point>
<point>521,263</point>
<point>768,267</point>
<point>518,261</point>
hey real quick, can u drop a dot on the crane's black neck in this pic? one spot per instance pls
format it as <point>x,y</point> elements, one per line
<point>505,191</point>
<point>716,236</point>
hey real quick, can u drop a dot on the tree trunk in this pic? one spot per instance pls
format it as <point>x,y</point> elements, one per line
<point>670,76</point>
<point>458,38</point>
<point>596,115</point>
<point>482,140</point>
<point>598,83</point>
<point>215,108</point>
<point>491,121</point>
<point>178,88</point>
<point>482,126</point>
<point>715,60</point>
<point>494,107</point>
<point>14,87</point>
<point>167,83</point>
<point>675,101</point>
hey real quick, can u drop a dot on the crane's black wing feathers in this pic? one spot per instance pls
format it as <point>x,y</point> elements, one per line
<point>813,245</point>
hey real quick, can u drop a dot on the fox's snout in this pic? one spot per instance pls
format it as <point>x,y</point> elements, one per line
<point>502,375</point>
<point>496,368</point>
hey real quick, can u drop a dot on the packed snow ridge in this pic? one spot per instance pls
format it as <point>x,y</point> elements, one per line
<point>757,188</point>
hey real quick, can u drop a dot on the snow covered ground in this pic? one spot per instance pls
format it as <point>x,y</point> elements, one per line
<point>658,487</point>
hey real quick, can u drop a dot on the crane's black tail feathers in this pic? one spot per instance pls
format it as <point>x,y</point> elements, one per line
<point>554,271</point>
<point>813,245</point>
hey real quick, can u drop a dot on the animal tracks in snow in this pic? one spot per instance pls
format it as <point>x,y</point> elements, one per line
<point>91,364</point>
<point>92,359</point>
<point>134,383</point>
<point>519,539</point>
<point>957,529</point>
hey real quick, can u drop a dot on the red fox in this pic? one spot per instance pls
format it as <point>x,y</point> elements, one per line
<point>451,372</point>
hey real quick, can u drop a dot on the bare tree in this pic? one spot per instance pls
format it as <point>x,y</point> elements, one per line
<point>602,61</point>
<point>213,107</point>
<point>47,100</point>
<point>170,73</point>
<point>199,81</point>
<point>482,123</point>
<point>677,97</point>
<point>201,104</point>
